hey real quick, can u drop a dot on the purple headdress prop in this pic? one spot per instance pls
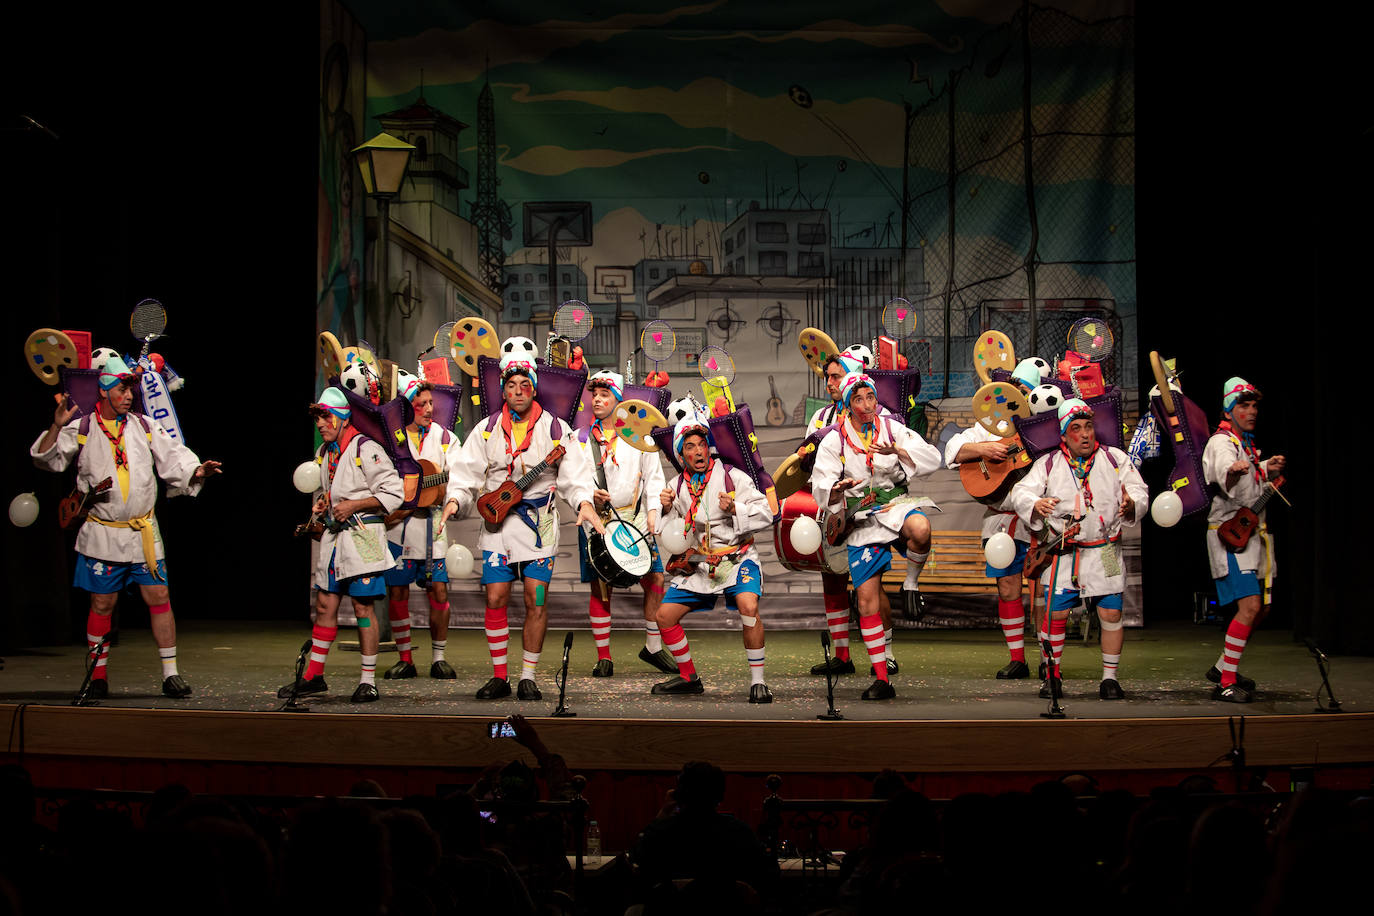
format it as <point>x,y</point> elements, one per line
<point>559,390</point>
<point>1040,433</point>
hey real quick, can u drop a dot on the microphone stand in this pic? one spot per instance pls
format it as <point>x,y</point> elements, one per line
<point>1334,705</point>
<point>831,714</point>
<point>82,697</point>
<point>1052,670</point>
<point>562,711</point>
<point>292,704</point>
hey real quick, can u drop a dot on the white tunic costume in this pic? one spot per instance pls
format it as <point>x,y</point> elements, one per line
<point>999,516</point>
<point>1223,450</point>
<point>837,459</point>
<point>483,465</point>
<point>1095,553</point>
<point>715,531</point>
<point>409,532</point>
<point>363,470</point>
<point>151,453</point>
<point>633,478</point>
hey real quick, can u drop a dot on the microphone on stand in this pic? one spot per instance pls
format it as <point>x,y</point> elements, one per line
<point>1332,704</point>
<point>562,710</point>
<point>1056,685</point>
<point>831,714</point>
<point>82,697</point>
<point>291,704</point>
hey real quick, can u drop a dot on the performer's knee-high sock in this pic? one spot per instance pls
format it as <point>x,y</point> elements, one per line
<point>498,637</point>
<point>399,614</point>
<point>1012,615</point>
<point>369,675</point>
<point>437,646</point>
<point>528,662</point>
<point>321,638</point>
<point>837,620</point>
<point>1058,629</point>
<point>168,654</point>
<point>915,562</point>
<point>676,641</point>
<point>871,631</point>
<point>1237,635</point>
<point>599,610</point>
<point>653,639</point>
<point>97,626</point>
<point>887,643</point>
<point>755,657</point>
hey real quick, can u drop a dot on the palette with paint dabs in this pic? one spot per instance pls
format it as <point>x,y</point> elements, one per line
<point>473,338</point>
<point>816,347</point>
<point>993,350</point>
<point>46,351</point>
<point>996,404</point>
<point>635,420</point>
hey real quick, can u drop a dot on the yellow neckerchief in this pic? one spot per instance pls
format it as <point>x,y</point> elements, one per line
<point>114,430</point>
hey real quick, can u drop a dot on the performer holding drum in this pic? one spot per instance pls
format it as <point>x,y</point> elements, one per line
<point>627,486</point>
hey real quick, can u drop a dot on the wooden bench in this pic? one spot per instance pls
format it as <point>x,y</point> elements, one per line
<point>956,566</point>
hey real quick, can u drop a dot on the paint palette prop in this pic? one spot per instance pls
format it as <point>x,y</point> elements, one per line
<point>331,355</point>
<point>996,405</point>
<point>816,347</point>
<point>473,338</point>
<point>790,477</point>
<point>48,350</point>
<point>991,351</point>
<point>634,421</point>
<point>899,319</point>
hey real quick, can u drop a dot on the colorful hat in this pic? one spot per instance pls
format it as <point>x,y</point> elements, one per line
<point>852,382</point>
<point>407,385</point>
<point>1231,391</point>
<point>607,379</point>
<point>862,354</point>
<point>851,364</point>
<point>1028,372</point>
<point>519,361</point>
<point>332,401</point>
<point>1070,410</point>
<point>114,371</point>
<point>686,427</point>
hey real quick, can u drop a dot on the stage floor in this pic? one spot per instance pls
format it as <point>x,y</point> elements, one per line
<point>945,675</point>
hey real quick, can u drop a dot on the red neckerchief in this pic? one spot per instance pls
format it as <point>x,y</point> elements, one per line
<point>334,451</point>
<point>1247,445</point>
<point>867,451</point>
<point>1081,468</point>
<point>513,452</point>
<point>607,446</point>
<point>121,458</point>
<point>696,491</point>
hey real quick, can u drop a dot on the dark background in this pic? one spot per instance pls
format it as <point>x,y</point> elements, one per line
<point>174,179</point>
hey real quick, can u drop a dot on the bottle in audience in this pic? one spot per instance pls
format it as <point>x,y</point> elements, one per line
<point>593,840</point>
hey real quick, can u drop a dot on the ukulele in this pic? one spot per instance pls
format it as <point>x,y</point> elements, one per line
<point>73,508</point>
<point>429,489</point>
<point>986,479</point>
<point>838,525</point>
<point>1042,550</point>
<point>496,505</point>
<point>1235,532</point>
<point>776,415</point>
<point>314,527</point>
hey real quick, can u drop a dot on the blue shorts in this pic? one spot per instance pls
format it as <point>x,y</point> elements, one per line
<point>1018,563</point>
<point>496,568</point>
<point>417,571</point>
<point>1235,585</point>
<point>749,581</point>
<point>1064,601</point>
<point>589,575</point>
<point>372,585</point>
<point>869,561</point>
<point>102,577</point>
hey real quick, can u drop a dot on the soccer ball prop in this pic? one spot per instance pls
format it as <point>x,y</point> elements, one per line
<point>1045,398</point>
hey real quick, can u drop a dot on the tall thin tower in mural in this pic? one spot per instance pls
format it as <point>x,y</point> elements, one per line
<point>490,215</point>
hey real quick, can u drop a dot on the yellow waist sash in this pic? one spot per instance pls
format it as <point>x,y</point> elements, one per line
<point>144,526</point>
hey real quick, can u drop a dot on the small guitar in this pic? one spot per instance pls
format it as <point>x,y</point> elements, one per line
<point>687,562</point>
<point>986,479</point>
<point>839,525</point>
<point>429,489</point>
<point>776,415</point>
<point>1042,550</point>
<point>314,527</point>
<point>73,508</point>
<point>1235,532</point>
<point>496,505</point>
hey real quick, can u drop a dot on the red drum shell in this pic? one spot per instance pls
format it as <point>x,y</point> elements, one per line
<point>794,507</point>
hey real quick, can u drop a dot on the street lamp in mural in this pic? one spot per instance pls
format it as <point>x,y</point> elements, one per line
<point>382,162</point>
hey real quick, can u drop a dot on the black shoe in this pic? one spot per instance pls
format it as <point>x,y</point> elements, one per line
<point>759,693</point>
<point>400,671</point>
<point>494,689</point>
<point>662,659</point>
<point>99,690</point>
<point>1232,694</point>
<point>679,685</point>
<point>835,667</point>
<point>443,671</point>
<point>1111,690</point>
<point>176,687</point>
<point>1013,671</point>
<point>604,668</point>
<point>1045,688</point>
<point>366,693</point>
<point>1214,675</point>
<point>527,690</point>
<point>304,687</point>
<point>880,690</point>
<point>891,666</point>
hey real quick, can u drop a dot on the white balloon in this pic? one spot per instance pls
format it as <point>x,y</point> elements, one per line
<point>1167,509</point>
<point>673,540</point>
<point>306,477</point>
<point>1000,550</point>
<point>458,561</point>
<point>806,535</point>
<point>24,510</point>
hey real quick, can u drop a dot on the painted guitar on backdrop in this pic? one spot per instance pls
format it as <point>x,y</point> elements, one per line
<point>496,505</point>
<point>986,479</point>
<point>73,507</point>
<point>776,415</point>
<point>1235,532</point>
<point>429,486</point>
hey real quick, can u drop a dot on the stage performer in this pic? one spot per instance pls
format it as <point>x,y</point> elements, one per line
<point>418,542</point>
<point>872,456</point>
<point>975,444</point>
<point>629,481</point>
<point>502,448</point>
<point>720,510</point>
<point>120,540</point>
<point>1092,491</point>
<point>359,487</point>
<point>1233,466</point>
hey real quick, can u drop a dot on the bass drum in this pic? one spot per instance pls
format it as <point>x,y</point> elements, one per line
<point>825,559</point>
<point>621,556</point>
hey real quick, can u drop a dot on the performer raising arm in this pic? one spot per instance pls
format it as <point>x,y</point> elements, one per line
<point>872,456</point>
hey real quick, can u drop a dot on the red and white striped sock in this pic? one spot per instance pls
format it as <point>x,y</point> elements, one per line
<point>322,638</point>
<point>755,657</point>
<point>871,631</point>
<point>498,637</point>
<point>399,613</point>
<point>97,626</point>
<point>599,610</point>
<point>1059,629</point>
<point>676,641</point>
<point>837,621</point>
<point>1237,635</point>
<point>1012,615</point>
